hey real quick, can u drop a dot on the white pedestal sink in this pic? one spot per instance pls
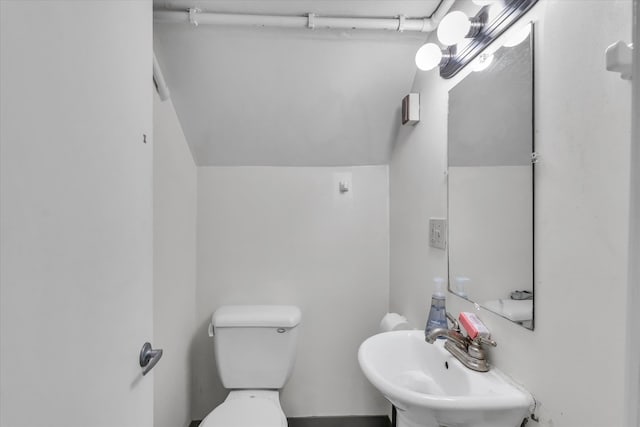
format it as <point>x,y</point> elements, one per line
<point>431,388</point>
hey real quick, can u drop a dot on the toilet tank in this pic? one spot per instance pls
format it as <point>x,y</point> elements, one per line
<point>255,345</point>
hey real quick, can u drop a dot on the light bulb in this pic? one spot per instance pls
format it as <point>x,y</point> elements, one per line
<point>428,56</point>
<point>453,28</point>
<point>518,36</point>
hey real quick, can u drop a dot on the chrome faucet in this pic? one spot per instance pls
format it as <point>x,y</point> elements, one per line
<point>468,351</point>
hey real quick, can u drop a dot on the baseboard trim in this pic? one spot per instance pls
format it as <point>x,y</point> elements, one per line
<point>351,421</point>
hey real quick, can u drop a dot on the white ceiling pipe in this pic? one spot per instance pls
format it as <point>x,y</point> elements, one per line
<point>401,23</point>
<point>158,79</point>
<point>208,18</point>
<point>431,23</point>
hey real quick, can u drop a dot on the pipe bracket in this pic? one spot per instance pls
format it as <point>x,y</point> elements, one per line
<point>401,23</point>
<point>193,11</point>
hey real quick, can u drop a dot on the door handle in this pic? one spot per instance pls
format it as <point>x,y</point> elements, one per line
<point>149,357</point>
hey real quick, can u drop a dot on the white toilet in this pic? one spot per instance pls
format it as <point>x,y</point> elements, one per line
<point>255,349</point>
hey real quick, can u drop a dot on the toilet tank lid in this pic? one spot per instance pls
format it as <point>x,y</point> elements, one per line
<point>259,316</point>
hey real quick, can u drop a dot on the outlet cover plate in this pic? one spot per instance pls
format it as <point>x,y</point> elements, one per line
<point>438,233</point>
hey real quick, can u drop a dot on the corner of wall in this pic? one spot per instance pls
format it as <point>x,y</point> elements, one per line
<point>175,210</point>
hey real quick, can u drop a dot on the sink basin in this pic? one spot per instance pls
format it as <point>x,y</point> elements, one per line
<point>431,388</point>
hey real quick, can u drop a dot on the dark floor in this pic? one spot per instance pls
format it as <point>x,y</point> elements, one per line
<point>379,421</point>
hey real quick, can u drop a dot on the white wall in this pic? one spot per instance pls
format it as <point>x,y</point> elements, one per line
<point>582,187</point>
<point>286,236</point>
<point>174,262</point>
<point>76,213</point>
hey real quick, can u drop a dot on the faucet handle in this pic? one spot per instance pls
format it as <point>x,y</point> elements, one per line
<point>488,341</point>
<point>454,322</point>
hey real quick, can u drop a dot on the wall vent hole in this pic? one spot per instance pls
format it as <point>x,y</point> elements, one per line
<point>446,365</point>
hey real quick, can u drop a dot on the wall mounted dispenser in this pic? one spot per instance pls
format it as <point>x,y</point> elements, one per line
<point>411,109</point>
<point>618,57</point>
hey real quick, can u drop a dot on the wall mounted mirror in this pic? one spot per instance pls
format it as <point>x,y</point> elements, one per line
<point>490,182</point>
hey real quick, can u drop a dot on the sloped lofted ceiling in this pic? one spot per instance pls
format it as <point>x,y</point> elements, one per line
<point>289,97</point>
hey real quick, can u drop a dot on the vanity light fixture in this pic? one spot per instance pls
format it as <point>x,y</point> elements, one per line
<point>456,26</point>
<point>466,38</point>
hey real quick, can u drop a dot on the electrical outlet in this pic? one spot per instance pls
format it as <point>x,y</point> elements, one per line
<point>438,233</point>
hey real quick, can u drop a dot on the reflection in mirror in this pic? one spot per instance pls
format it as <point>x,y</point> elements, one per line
<point>490,182</point>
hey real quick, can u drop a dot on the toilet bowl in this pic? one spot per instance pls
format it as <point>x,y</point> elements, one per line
<point>254,352</point>
<point>248,408</point>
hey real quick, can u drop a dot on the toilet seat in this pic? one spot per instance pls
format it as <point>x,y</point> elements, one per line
<point>247,409</point>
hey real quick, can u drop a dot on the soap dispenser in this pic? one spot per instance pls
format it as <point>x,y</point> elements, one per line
<point>438,312</point>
